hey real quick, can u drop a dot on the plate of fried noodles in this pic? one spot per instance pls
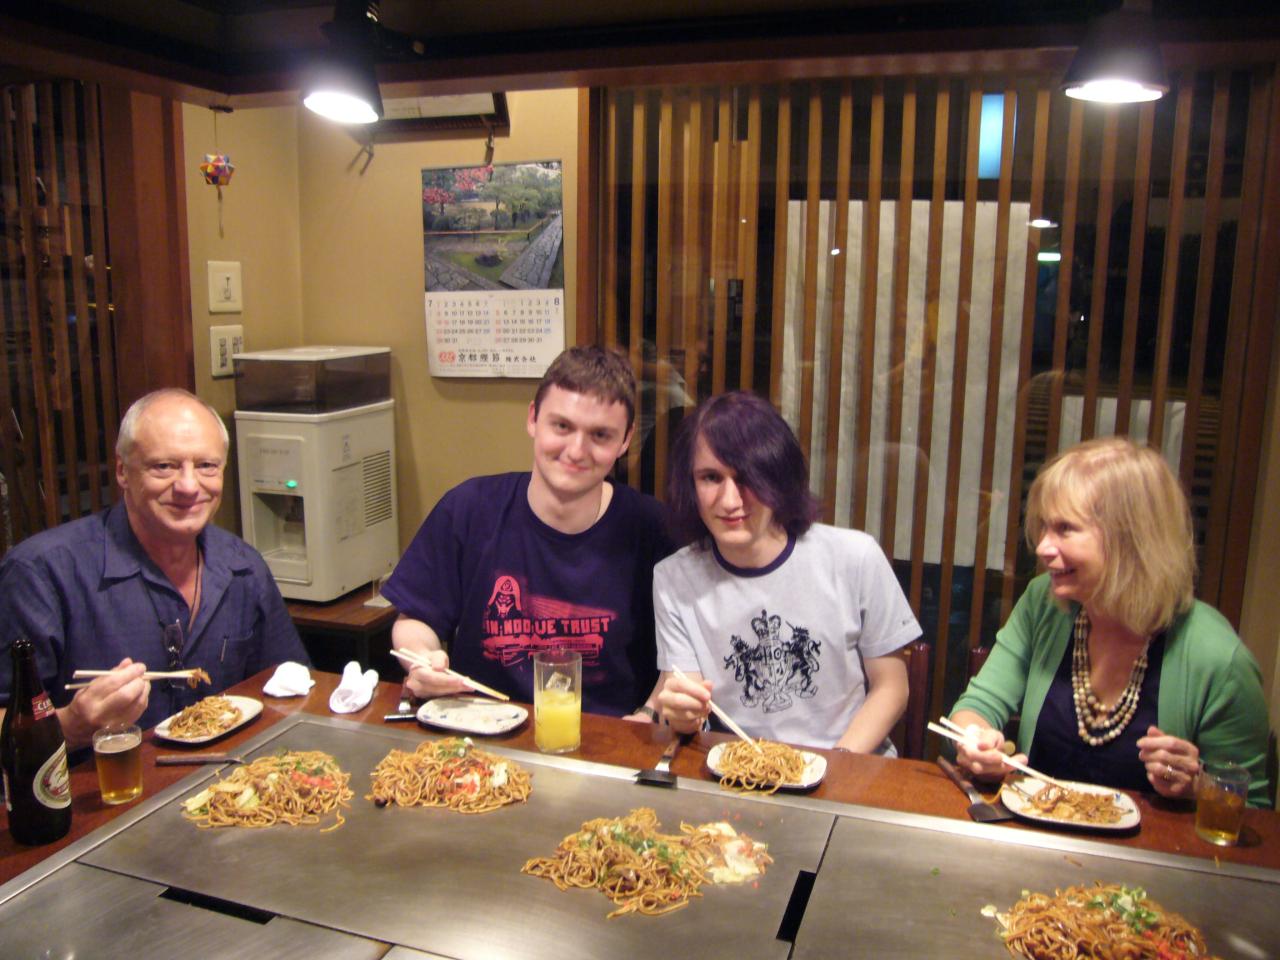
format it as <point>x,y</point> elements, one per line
<point>208,719</point>
<point>1103,920</point>
<point>774,766</point>
<point>1066,803</point>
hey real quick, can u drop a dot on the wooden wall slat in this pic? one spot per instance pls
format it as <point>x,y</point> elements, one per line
<point>103,315</point>
<point>1133,272</point>
<point>1225,466</point>
<point>898,323</point>
<point>929,355</point>
<point>1031,270</point>
<point>668,145</point>
<point>609,224</point>
<point>809,323</point>
<point>71,163</point>
<point>56,287</point>
<point>12,434</point>
<point>1101,258</point>
<point>1172,248</point>
<point>835,345</point>
<point>751,232</point>
<point>721,229</point>
<point>959,375</point>
<point>635,320</point>
<point>41,385</point>
<point>1066,269</point>
<point>995,346</point>
<point>867,306</point>
<point>1204,275</point>
<point>782,197</point>
<point>695,286</point>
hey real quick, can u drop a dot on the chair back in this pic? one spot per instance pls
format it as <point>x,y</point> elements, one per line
<point>909,734</point>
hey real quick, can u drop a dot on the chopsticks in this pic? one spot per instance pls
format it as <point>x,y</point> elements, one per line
<point>953,731</point>
<point>724,717</point>
<point>414,659</point>
<point>89,675</point>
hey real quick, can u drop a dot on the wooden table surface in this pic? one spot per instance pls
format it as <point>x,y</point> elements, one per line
<point>905,785</point>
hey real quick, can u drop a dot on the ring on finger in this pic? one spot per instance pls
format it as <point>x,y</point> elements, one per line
<point>1168,771</point>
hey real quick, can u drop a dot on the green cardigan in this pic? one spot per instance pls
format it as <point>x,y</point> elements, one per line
<point>1210,685</point>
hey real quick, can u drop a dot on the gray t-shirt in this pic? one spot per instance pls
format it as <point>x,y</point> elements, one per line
<point>783,645</point>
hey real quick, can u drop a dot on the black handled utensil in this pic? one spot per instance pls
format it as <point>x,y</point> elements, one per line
<point>660,775</point>
<point>194,759</point>
<point>979,808</point>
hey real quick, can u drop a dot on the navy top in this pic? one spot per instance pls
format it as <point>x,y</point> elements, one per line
<point>1058,750</point>
<point>496,584</point>
<point>88,595</point>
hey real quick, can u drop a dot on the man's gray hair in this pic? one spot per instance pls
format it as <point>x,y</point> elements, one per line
<point>129,425</point>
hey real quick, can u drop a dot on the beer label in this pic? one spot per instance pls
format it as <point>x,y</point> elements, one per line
<point>42,706</point>
<point>52,785</point>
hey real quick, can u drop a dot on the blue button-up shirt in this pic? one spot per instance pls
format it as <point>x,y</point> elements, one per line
<point>88,595</point>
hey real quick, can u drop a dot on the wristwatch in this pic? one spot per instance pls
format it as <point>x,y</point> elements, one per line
<point>648,711</point>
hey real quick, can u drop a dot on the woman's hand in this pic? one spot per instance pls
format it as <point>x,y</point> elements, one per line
<point>685,702</point>
<point>1172,764</point>
<point>985,759</point>
<point>433,682</point>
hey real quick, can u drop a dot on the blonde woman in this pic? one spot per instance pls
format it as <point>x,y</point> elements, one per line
<point>1120,675</point>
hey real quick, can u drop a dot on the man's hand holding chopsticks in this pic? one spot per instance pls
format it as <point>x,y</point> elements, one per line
<point>119,697</point>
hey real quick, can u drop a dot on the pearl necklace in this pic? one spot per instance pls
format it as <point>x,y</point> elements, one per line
<point>1096,723</point>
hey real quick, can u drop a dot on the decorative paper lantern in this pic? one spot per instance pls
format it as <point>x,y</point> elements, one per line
<point>217,169</point>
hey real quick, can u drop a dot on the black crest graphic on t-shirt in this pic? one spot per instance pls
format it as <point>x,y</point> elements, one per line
<point>776,666</point>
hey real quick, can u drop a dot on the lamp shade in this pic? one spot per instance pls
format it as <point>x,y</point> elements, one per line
<point>1118,61</point>
<point>343,89</point>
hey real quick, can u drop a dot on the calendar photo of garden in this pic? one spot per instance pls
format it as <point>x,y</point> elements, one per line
<point>493,227</point>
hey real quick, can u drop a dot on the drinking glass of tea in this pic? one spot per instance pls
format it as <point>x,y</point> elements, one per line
<point>1221,789</point>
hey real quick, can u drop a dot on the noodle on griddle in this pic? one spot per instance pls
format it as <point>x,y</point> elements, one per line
<point>449,773</point>
<point>631,863</point>
<point>1103,921</point>
<point>290,787</point>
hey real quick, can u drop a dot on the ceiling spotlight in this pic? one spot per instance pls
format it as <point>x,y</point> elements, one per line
<point>1041,223</point>
<point>1119,60</point>
<point>1049,256</point>
<point>343,84</point>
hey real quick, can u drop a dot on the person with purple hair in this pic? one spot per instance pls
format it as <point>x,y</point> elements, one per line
<point>790,625</point>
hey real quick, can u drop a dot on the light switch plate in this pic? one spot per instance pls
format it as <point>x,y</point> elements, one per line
<point>224,287</point>
<point>224,343</point>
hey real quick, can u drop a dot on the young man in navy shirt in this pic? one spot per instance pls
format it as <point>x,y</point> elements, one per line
<point>557,557</point>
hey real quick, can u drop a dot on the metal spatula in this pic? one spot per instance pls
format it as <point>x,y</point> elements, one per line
<point>979,809</point>
<point>661,775</point>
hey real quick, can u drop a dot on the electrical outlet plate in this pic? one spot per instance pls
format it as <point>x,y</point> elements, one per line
<point>224,343</point>
<point>224,287</point>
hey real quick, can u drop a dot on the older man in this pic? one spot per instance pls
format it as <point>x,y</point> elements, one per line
<point>148,582</point>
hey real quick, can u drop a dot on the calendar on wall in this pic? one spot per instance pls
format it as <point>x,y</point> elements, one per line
<point>494,333</point>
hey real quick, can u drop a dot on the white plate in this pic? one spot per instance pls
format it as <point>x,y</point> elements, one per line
<point>1022,807</point>
<point>815,768</point>
<point>472,714</point>
<point>249,709</point>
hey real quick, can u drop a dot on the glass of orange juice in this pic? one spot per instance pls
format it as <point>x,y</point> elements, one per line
<point>1221,789</point>
<point>557,701</point>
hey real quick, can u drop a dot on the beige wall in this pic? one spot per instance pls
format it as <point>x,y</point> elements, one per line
<point>259,228</point>
<point>333,255</point>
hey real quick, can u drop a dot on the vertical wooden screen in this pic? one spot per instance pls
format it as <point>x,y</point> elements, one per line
<point>938,303</point>
<point>57,383</point>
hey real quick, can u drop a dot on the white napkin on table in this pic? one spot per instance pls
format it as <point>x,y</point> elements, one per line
<point>291,679</point>
<point>355,691</point>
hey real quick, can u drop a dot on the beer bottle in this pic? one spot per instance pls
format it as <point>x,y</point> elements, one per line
<point>33,755</point>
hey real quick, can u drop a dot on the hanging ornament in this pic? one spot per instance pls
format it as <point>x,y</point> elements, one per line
<point>217,169</point>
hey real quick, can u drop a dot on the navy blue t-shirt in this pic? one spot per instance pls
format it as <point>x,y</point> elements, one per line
<point>497,584</point>
<point>1058,750</point>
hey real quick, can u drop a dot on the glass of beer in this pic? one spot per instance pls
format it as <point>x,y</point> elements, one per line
<point>1221,789</point>
<point>117,752</point>
<point>557,701</point>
